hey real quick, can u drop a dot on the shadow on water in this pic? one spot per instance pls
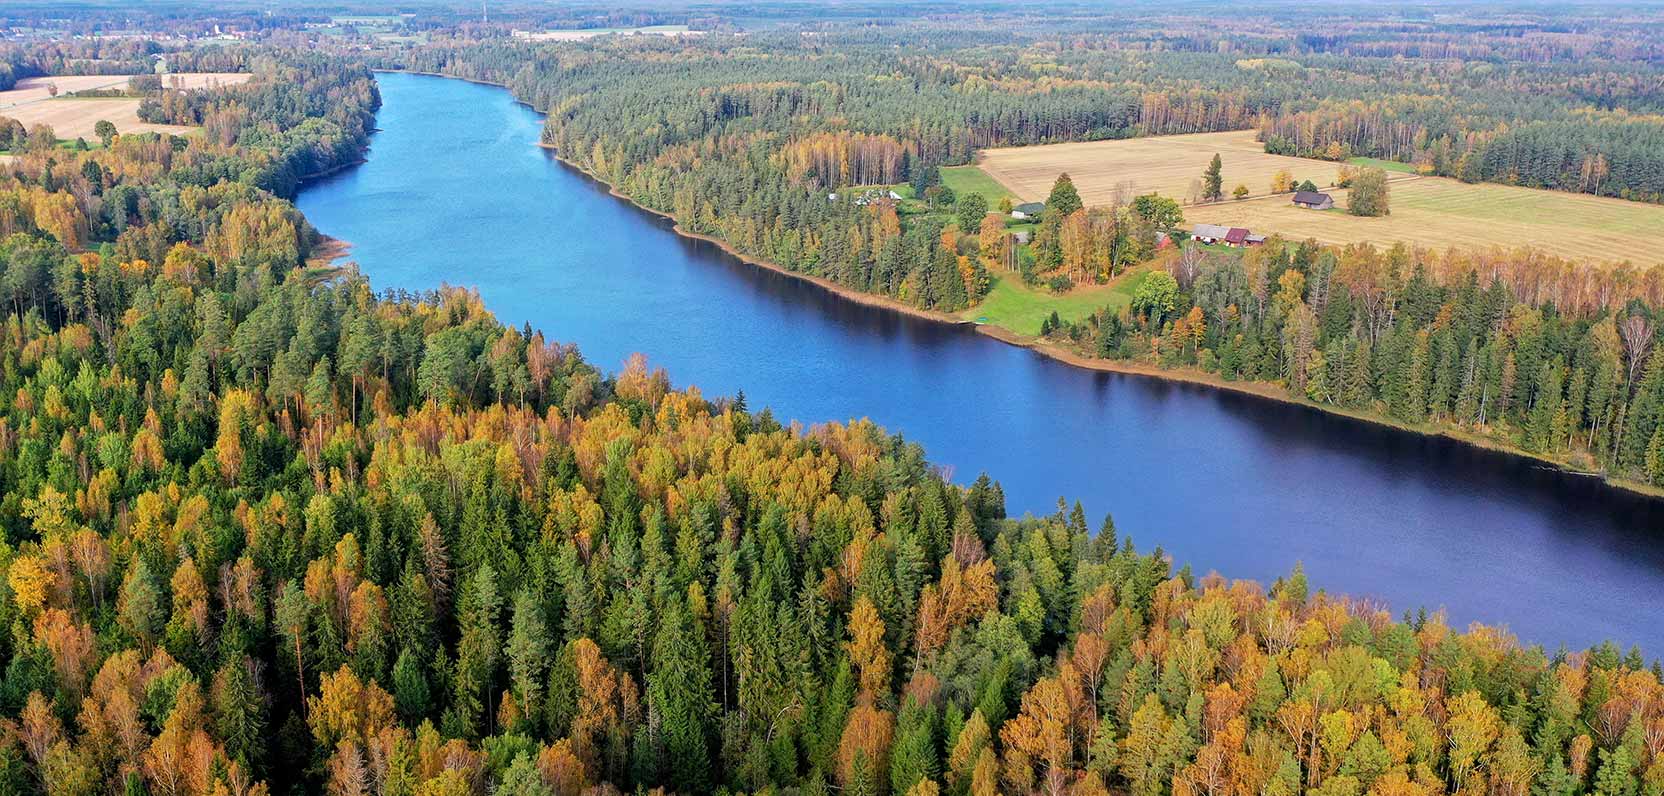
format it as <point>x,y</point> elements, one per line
<point>453,192</point>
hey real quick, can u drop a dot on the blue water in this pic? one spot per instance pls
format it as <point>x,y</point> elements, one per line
<point>455,192</point>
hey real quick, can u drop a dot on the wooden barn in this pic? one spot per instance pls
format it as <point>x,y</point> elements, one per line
<point>1312,200</point>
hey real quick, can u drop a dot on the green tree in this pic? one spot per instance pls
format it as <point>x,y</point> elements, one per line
<point>1162,213</point>
<point>1155,297</point>
<point>969,210</point>
<point>1368,195</point>
<point>528,651</point>
<point>478,653</point>
<point>1213,180</point>
<point>239,712</point>
<point>679,697</point>
<point>106,132</point>
<point>1064,199</point>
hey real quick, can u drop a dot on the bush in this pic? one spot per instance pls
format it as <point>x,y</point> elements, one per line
<point>1060,284</point>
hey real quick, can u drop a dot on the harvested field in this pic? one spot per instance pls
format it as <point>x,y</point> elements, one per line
<point>1434,212</point>
<point>1437,212</point>
<point>31,102</point>
<point>1167,165</point>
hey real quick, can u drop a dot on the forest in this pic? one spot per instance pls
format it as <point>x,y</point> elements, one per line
<point>1544,355</point>
<point>267,530</point>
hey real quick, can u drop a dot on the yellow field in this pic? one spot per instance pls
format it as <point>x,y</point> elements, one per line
<point>31,102</point>
<point>1427,211</point>
<point>1167,165</point>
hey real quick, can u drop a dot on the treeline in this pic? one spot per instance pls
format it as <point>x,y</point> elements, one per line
<point>1606,154</point>
<point>121,55</point>
<point>300,115</point>
<point>1547,355</point>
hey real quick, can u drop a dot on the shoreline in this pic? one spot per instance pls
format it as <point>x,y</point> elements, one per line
<point>302,180</point>
<point>1064,356</point>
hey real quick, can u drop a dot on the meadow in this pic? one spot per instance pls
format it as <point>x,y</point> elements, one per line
<point>1434,212</point>
<point>970,179</point>
<point>1020,308</point>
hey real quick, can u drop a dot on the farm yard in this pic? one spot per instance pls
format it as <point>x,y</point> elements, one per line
<point>31,102</point>
<point>1434,212</point>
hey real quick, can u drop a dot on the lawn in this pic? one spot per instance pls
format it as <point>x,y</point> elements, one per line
<point>1021,308</point>
<point>970,179</point>
<point>1389,165</point>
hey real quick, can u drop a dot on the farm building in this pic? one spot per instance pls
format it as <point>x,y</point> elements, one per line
<point>1312,200</point>
<point>1230,236</point>
<point>1209,233</point>
<point>1028,210</point>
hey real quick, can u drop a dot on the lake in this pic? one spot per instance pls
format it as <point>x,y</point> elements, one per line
<point>455,191</point>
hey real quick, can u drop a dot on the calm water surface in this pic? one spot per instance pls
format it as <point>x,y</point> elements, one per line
<point>455,192</point>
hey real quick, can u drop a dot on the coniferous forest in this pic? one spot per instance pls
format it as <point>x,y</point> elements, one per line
<point>267,530</point>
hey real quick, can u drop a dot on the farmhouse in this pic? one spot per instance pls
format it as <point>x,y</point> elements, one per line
<point>1312,200</point>
<point>1028,210</point>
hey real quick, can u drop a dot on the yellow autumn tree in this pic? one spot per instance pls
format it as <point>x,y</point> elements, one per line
<point>866,647</point>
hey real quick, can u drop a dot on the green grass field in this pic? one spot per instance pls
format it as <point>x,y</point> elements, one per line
<point>1021,308</point>
<point>970,179</point>
<point>1388,165</point>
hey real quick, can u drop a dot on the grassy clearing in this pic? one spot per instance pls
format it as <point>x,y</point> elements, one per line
<point>970,179</point>
<point>1388,165</point>
<point>1021,308</point>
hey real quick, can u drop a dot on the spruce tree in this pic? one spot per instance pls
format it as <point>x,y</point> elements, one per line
<point>679,698</point>
<point>1213,180</point>
<point>1064,199</point>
